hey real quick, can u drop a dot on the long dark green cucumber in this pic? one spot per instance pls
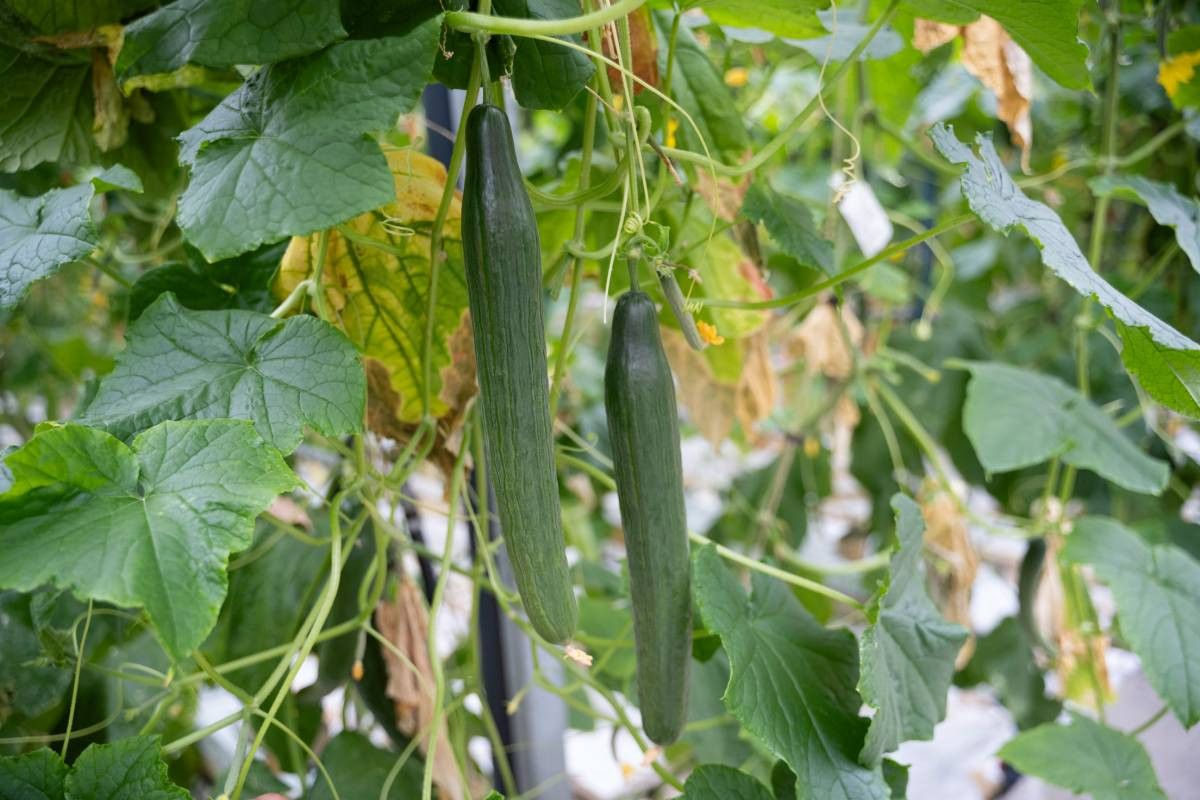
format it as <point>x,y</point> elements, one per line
<point>504,284</point>
<point>643,426</point>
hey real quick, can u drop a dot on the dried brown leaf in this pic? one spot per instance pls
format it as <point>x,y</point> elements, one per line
<point>644,45</point>
<point>824,346</point>
<point>954,561</point>
<point>410,684</point>
<point>1001,65</point>
<point>929,34</point>
<point>711,405</point>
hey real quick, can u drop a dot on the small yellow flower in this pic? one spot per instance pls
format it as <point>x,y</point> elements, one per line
<point>737,77</point>
<point>1178,70</point>
<point>356,671</point>
<point>709,333</point>
<point>672,128</point>
<point>618,101</point>
<point>812,446</point>
<point>627,770</point>
<point>579,656</point>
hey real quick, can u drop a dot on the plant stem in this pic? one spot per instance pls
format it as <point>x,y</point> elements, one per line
<point>472,22</point>
<point>87,624</point>
<point>436,233</point>
<point>1150,723</point>
<point>585,176</point>
<point>775,572</point>
<point>847,274</point>
<point>289,302</point>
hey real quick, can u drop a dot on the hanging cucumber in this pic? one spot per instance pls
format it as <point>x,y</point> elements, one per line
<point>643,427</point>
<point>504,284</point>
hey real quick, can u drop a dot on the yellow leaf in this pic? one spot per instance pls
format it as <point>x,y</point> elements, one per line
<point>376,279</point>
<point>1178,70</point>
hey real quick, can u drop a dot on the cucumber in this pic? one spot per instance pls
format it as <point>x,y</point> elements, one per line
<point>504,285</point>
<point>643,427</point>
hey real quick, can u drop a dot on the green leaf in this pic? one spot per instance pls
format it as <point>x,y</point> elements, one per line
<point>717,782</point>
<point>240,282</point>
<point>719,739</point>
<point>59,17</point>
<point>790,224</point>
<point>29,686</point>
<point>222,33</point>
<point>1016,418</point>
<point>45,110</point>
<point>40,234</point>
<point>279,374</point>
<point>1172,377</point>
<point>1157,589</point>
<point>698,88</point>
<point>1167,206</point>
<point>39,775</point>
<point>1048,30</point>
<point>791,681</point>
<point>545,75</point>
<point>1166,371</point>
<point>908,651</point>
<point>1086,757</point>
<point>286,154</point>
<point>129,769</point>
<point>149,525</point>
<point>359,768</point>
<point>796,18</point>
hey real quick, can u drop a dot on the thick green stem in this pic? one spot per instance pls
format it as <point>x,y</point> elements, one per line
<point>471,22</point>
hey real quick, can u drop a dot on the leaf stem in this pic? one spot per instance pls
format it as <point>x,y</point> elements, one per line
<point>1150,723</point>
<point>87,624</point>
<point>775,572</point>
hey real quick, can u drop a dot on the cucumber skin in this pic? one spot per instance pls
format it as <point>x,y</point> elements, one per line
<point>643,427</point>
<point>504,284</point>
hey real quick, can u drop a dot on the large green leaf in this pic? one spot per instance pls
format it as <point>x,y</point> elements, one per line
<point>698,88</point>
<point>130,769</point>
<point>717,782</point>
<point>39,775</point>
<point>359,768</point>
<point>908,651</point>
<point>1166,204</point>
<point>545,75</point>
<point>287,153</point>
<point>279,374</point>
<point>796,18</point>
<point>1170,369</point>
<point>45,110</point>
<point>1016,418</point>
<point>1086,757</point>
<point>58,17</point>
<point>40,234</point>
<point>791,681</point>
<point>148,525</point>
<point>222,33</point>
<point>790,224</point>
<point>1046,29</point>
<point>1157,589</point>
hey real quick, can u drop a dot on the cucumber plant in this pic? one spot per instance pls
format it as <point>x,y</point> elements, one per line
<point>911,304</point>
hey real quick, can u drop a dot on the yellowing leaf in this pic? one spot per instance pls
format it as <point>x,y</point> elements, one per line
<point>726,272</point>
<point>826,344</point>
<point>376,277</point>
<point>723,385</point>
